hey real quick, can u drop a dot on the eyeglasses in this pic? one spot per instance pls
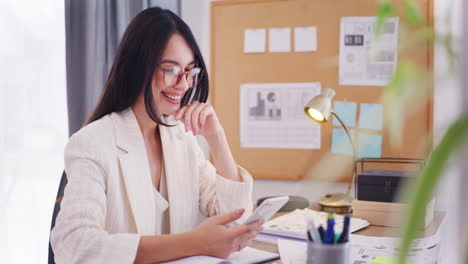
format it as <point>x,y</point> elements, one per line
<point>173,74</point>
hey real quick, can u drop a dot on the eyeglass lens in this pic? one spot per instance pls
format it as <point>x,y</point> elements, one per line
<point>173,75</point>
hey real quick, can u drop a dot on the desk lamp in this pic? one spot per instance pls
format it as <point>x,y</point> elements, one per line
<point>319,110</point>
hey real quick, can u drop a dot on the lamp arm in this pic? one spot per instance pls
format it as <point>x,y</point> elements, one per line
<point>354,152</point>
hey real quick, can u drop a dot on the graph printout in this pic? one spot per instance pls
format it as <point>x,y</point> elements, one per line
<point>272,116</point>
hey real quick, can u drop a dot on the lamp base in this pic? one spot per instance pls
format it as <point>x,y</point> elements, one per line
<point>336,203</point>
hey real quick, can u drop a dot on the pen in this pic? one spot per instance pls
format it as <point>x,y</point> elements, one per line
<point>330,234</point>
<point>309,237</point>
<point>313,233</point>
<point>322,233</point>
<point>345,234</point>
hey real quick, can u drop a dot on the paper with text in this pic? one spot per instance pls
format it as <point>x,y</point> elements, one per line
<point>365,60</point>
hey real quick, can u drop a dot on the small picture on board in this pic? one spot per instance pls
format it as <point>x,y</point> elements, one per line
<point>267,106</point>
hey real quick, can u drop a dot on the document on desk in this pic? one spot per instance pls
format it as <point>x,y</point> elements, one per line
<point>365,59</point>
<point>363,249</point>
<point>272,116</point>
<point>247,255</point>
<point>292,252</point>
<point>294,224</point>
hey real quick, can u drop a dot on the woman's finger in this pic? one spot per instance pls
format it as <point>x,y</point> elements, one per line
<point>188,116</point>
<point>195,118</point>
<point>180,113</point>
<point>204,114</point>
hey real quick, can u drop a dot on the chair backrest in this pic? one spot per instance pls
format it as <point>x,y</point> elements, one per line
<point>58,200</point>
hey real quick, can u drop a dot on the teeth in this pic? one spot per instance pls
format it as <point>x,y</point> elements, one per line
<point>172,96</point>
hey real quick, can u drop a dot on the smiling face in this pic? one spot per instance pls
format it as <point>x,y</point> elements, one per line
<point>167,89</point>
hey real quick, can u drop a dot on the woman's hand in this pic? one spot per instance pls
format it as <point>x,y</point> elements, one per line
<point>217,240</point>
<point>200,118</point>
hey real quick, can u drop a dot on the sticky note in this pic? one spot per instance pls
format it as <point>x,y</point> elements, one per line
<point>370,116</point>
<point>340,142</point>
<point>370,145</point>
<point>387,260</point>
<point>255,40</point>
<point>279,39</point>
<point>305,39</point>
<point>346,111</point>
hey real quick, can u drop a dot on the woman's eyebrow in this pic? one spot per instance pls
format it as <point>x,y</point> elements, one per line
<point>177,63</point>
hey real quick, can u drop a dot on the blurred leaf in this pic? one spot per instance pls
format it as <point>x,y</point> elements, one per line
<point>415,39</point>
<point>413,13</point>
<point>422,189</point>
<point>466,258</point>
<point>385,10</point>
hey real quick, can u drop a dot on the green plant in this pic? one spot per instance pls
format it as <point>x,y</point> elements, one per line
<point>405,89</point>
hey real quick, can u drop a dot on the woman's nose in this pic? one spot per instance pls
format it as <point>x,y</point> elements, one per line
<point>182,84</point>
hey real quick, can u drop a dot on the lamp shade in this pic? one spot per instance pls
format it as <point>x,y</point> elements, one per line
<point>320,107</point>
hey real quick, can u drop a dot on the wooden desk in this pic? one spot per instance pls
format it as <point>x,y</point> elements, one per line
<point>371,230</point>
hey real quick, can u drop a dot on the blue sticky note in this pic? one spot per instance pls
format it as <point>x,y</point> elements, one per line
<point>340,142</point>
<point>370,116</point>
<point>370,145</point>
<point>346,111</point>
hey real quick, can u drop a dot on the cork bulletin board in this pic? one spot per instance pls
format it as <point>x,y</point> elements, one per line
<point>231,67</point>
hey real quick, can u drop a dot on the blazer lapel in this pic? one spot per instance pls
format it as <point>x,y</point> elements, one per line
<point>135,171</point>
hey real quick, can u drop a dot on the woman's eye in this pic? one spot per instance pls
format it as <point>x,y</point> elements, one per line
<point>169,70</point>
<point>172,70</point>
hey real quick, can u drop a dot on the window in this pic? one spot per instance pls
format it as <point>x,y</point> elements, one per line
<point>33,124</point>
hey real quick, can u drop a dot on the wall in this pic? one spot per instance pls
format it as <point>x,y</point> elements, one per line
<point>447,106</point>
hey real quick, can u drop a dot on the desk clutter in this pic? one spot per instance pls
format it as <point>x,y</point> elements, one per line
<point>368,250</point>
<point>295,224</point>
<point>293,233</point>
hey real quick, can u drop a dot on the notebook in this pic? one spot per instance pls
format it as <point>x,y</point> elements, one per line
<point>247,255</point>
<point>294,224</point>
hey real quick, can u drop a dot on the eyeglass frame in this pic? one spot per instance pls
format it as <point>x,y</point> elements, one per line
<point>183,72</point>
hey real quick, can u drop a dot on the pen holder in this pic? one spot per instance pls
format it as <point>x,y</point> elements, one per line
<point>318,253</point>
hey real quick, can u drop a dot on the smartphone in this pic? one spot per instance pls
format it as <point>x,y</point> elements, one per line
<point>267,209</point>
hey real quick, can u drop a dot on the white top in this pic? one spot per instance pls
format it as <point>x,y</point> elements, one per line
<point>161,207</point>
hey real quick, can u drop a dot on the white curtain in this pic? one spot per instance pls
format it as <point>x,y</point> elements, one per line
<point>33,124</point>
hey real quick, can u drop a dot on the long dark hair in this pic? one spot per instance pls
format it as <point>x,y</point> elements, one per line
<point>137,59</point>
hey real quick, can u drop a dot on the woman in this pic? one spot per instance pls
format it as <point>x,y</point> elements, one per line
<point>137,179</point>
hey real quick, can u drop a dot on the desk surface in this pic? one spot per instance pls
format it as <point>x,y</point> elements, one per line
<point>371,230</point>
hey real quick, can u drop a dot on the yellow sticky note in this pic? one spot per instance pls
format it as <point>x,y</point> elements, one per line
<point>387,260</point>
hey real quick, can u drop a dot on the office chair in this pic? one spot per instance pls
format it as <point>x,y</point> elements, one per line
<point>63,183</point>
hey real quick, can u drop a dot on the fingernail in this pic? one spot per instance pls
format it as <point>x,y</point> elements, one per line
<point>239,211</point>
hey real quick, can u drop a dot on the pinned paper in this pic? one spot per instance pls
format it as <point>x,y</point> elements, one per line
<point>279,40</point>
<point>370,145</point>
<point>346,111</point>
<point>370,116</point>
<point>305,39</point>
<point>255,40</point>
<point>341,143</point>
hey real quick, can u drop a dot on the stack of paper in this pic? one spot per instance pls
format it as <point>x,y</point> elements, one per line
<point>294,224</point>
<point>247,255</point>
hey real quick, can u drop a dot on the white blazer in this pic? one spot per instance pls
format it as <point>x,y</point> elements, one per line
<point>109,199</point>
